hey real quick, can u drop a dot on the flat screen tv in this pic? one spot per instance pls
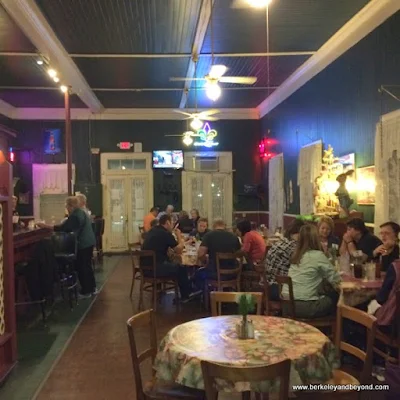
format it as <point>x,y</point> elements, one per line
<point>52,141</point>
<point>168,159</point>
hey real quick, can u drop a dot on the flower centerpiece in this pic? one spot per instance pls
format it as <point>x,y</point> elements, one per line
<point>246,305</point>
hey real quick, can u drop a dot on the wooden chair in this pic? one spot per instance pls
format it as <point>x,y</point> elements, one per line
<point>221,284</point>
<point>391,341</point>
<point>149,282</point>
<point>271,307</point>
<point>135,265</point>
<point>340,377</point>
<point>323,322</point>
<point>251,279</point>
<point>212,371</point>
<point>153,389</point>
<point>230,297</point>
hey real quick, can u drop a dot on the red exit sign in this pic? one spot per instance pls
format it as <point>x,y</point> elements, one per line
<point>125,145</point>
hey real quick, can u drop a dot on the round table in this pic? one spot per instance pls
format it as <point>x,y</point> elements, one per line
<point>356,291</point>
<point>214,339</point>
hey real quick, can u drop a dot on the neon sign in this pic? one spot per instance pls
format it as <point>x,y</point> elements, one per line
<point>206,136</point>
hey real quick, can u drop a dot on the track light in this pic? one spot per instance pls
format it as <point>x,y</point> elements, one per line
<point>52,72</point>
<point>39,62</point>
<point>56,79</point>
<point>63,88</point>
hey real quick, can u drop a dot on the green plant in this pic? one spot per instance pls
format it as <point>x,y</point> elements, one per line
<point>246,304</point>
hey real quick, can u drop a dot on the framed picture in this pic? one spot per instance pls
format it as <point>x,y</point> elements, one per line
<point>366,185</point>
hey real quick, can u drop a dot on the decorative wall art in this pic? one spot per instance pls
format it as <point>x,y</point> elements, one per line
<point>366,185</point>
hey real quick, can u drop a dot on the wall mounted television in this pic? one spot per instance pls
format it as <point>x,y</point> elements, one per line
<point>52,143</point>
<point>168,159</point>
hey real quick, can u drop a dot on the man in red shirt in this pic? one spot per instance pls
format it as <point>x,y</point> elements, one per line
<point>253,244</point>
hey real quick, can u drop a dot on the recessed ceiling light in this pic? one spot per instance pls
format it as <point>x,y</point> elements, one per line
<point>56,79</point>
<point>52,72</point>
<point>39,62</point>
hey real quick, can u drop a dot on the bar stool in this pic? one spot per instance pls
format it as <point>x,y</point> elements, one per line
<point>65,251</point>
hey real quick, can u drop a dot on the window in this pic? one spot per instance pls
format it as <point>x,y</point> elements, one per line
<point>126,164</point>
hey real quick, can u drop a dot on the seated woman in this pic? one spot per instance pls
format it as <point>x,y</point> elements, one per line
<point>310,271</point>
<point>325,231</point>
<point>253,244</point>
<point>277,261</point>
<point>384,306</point>
<point>200,231</point>
<point>194,217</point>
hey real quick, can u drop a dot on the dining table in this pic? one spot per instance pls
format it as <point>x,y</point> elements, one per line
<point>214,339</point>
<point>356,291</point>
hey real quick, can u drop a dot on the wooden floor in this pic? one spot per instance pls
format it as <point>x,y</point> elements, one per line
<point>96,365</point>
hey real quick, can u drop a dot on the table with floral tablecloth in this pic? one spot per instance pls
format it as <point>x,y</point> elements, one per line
<point>356,291</point>
<point>214,339</point>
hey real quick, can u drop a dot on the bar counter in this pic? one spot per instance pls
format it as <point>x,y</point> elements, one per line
<point>25,241</point>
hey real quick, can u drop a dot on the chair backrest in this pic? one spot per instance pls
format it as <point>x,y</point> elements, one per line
<point>212,371</point>
<point>143,319</point>
<point>64,243</point>
<point>146,261</point>
<point>366,320</point>
<point>236,268</point>
<point>290,305</point>
<point>230,297</point>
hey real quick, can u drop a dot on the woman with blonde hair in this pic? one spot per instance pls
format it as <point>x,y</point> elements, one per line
<point>310,271</point>
<point>326,228</point>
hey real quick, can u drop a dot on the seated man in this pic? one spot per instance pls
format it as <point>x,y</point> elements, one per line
<point>149,218</point>
<point>388,252</point>
<point>358,237</point>
<point>217,241</point>
<point>200,231</point>
<point>160,239</point>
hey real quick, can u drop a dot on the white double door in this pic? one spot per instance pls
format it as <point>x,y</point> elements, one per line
<point>127,201</point>
<point>210,193</point>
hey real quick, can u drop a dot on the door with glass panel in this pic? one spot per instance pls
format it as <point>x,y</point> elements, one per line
<point>128,195</point>
<point>210,193</point>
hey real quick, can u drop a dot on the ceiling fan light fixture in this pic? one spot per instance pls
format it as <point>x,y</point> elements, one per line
<point>196,124</point>
<point>259,3</point>
<point>187,140</point>
<point>213,91</point>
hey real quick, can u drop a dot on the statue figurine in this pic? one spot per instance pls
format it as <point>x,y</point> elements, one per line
<point>343,194</point>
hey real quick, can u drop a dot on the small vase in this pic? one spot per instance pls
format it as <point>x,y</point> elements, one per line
<point>245,329</point>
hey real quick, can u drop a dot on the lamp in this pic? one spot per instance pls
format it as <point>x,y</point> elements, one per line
<point>196,123</point>
<point>213,91</point>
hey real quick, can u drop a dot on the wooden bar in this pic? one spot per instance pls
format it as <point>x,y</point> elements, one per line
<point>25,242</point>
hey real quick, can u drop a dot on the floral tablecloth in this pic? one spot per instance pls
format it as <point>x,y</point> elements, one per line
<point>357,291</point>
<point>214,339</point>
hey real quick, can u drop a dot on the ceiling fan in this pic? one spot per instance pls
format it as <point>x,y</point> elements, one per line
<point>217,72</point>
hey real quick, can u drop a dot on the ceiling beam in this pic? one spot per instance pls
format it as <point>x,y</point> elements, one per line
<point>136,89</point>
<point>7,109</point>
<point>167,55</point>
<point>200,34</point>
<point>30,19</point>
<point>143,114</point>
<point>364,22</point>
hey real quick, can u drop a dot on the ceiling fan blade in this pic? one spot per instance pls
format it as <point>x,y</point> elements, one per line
<point>239,4</point>
<point>172,135</point>
<point>217,71</point>
<point>174,79</point>
<point>183,112</point>
<point>248,4</point>
<point>205,114</point>
<point>211,119</point>
<point>241,80</point>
